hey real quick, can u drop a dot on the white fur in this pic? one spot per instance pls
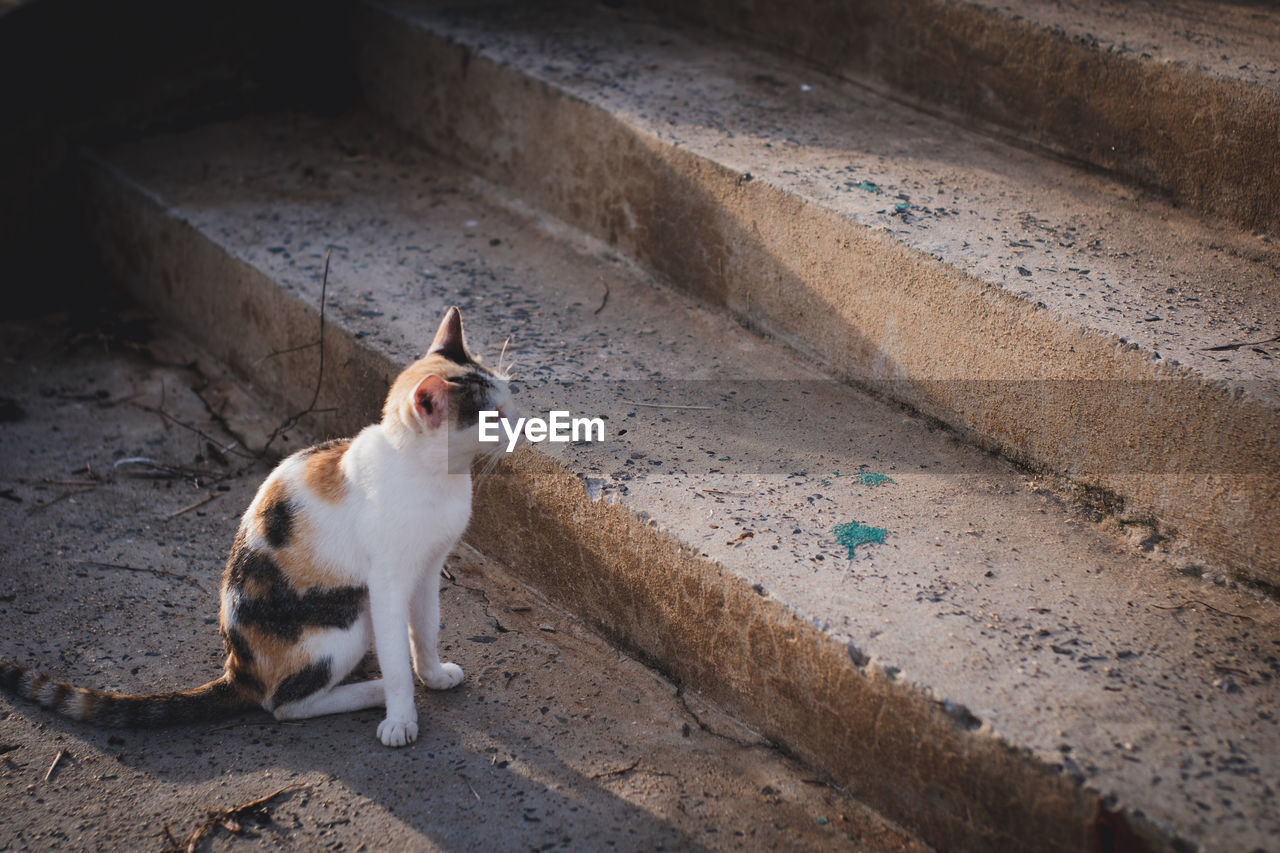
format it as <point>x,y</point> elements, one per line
<point>406,504</point>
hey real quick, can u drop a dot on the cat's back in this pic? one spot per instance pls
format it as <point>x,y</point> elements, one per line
<point>329,507</point>
<point>303,519</point>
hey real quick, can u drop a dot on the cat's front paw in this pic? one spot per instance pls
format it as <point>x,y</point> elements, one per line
<point>397,732</point>
<point>445,676</point>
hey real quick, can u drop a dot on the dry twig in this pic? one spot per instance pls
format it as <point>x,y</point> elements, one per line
<point>605,300</point>
<point>164,573</point>
<point>61,497</point>
<point>273,723</point>
<point>286,351</point>
<point>161,470</point>
<point>230,448</point>
<point>665,405</point>
<point>292,421</point>
<point>57,759</point>
<point>616,772</point>
<point>1234,670</point>
<point>1204,604</point>
<point>195,505</point>
<point>1240,345</point>
<point>228,819</point>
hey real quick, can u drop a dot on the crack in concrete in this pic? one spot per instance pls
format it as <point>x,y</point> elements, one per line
<point>762,743</point>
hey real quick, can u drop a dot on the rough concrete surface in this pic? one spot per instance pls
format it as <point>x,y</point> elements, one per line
<point>554,741</point>
<point>1183,97</point>
<point>1002,668</point>
<point>1066,320</point>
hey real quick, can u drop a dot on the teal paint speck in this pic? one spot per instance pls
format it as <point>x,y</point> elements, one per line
<point>851,534</point>
<point>869,478</point>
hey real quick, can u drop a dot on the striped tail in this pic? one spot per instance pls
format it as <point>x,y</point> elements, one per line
<point>213,701</point>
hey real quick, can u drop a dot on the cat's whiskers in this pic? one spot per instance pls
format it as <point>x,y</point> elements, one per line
<point>501,356</point>
<point>486,469</point>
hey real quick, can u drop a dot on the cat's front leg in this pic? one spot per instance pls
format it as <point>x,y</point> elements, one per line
<point>390,615</point>
<point>424,631</point>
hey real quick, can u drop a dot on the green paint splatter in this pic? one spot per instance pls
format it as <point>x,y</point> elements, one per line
<point>851,534</point>
<point>723,459</point>
<point>870,478</point>
<point>868,187</point>
<point>902,205</point>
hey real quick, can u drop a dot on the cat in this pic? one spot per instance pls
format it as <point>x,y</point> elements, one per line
<point>341,548</point>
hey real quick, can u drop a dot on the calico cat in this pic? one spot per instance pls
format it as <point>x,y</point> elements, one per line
<point>341,547</point>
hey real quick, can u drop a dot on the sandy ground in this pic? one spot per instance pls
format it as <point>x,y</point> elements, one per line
<point>109,578</point>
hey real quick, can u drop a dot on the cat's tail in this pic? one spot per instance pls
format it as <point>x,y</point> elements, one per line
<point>216,700</point>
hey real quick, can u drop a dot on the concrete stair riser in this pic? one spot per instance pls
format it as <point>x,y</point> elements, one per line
<point>1197,457</point>
<point>235,311</point>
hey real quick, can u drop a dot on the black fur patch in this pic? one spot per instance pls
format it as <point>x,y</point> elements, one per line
<point>277,519</point>
<point>237,644</point>
<point>245,564</point>
<point>10,676</point>
<point>283,611</point>
<point>60,693</point>
<point>241,655</point>
<point>304,682</point>
<point>471,396</point>
<point>247,682</point>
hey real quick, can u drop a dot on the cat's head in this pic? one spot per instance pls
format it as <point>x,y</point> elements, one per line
<point>437,400</point>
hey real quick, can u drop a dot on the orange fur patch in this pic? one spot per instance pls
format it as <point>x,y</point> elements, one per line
<point>274,659</point>
<point>400,397</point>
<point>87,705</point>
<point>255,588</point>
<point>297,561</point>
<point>323,471</point>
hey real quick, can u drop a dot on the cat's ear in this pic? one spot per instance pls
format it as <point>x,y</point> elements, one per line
<point>449,341</point>
<point>431,400</point>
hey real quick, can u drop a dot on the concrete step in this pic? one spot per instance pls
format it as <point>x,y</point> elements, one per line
<point>1070,322</point>
<point>554,741</point>
<point>1183,97</point>
<point>1003,671</point>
